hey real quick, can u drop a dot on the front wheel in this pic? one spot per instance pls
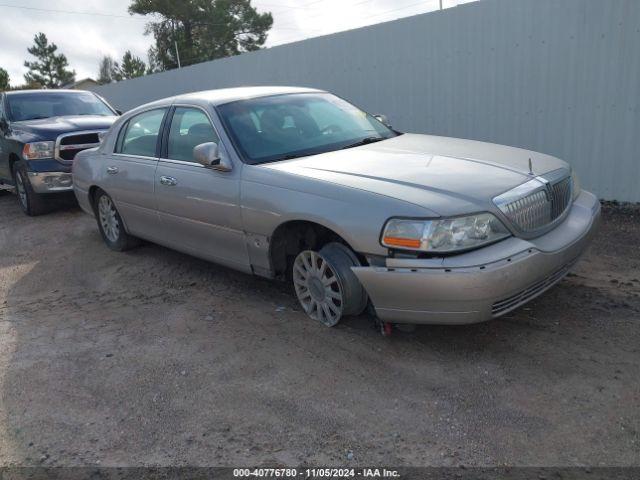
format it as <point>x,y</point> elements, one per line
<point>326,287</point>
<point>31,203</point>
<point>111,225</point>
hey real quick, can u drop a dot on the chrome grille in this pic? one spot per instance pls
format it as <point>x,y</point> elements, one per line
<point>69,144</point>
<point>538,203</point>
<point>530,212</point>
<point>561,197</point>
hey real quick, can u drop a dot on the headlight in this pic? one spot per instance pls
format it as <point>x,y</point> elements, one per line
<point>37,150</point>
<point>443,235</point>
<point>575,184</point>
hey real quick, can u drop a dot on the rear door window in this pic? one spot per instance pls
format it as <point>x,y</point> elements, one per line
<point>140,135</point>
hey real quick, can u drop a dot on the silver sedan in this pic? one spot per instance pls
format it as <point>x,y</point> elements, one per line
<point>298,184</point>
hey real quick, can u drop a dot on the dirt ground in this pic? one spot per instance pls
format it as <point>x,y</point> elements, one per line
<point>152,357</point>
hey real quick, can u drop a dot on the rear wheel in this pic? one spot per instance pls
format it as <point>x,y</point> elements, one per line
<point>326,287</point>
<point>111,225</point>
<point>31,203</point>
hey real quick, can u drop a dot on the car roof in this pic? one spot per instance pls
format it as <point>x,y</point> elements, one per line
<point>226,95</point>
<point>222,96</point>
<point>218,97</point>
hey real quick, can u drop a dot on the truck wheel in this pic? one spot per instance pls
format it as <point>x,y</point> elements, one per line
<point>326,287</point>
<point>31,203</point>
<point>110,224</point>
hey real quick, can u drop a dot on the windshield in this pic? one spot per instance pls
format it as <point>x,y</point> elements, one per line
<point>280,127</point>
<point>30,106</point>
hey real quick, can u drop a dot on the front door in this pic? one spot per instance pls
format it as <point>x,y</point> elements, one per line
<point>129,173</point>
<point>198,206</point>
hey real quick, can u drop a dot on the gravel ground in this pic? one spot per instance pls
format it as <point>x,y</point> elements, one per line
<point>152,357</point>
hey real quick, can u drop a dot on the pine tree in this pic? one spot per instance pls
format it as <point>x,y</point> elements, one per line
<point>49,69</point>
<point>105,71</point>
<point>131,66</point>
<point>4,80</point>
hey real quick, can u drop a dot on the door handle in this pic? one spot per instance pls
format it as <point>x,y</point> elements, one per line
<point>112,170</point>
<point>168,181</point>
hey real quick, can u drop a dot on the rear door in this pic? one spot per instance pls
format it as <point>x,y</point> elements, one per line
<point>130,172</point>
<point>198,206</point>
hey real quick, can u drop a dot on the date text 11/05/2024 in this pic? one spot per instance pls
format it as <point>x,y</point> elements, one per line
<point>316,473</point>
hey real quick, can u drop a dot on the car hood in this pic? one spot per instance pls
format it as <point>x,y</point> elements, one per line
<point>445,175</point>
<point>51,127</point>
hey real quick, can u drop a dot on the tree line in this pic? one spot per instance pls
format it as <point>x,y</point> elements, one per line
<point>185,33</point>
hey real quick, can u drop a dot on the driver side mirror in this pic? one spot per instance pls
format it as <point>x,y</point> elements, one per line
<point>383,119</point>
<point>4,125</point>
<point>209,155</point>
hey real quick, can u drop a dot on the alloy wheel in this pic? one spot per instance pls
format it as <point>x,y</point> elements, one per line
<point>317,288</point>
<point>108,219</point>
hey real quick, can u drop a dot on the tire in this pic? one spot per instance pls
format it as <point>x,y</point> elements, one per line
<point>32,203</point>
<point>110,224</point>
<point>325,286</point>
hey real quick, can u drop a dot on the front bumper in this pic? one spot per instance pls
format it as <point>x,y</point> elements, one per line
<point>51,182</point>
<point>482,284</point>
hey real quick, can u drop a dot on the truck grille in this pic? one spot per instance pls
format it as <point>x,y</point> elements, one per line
<point>69,144</point>
<point>538,203</point>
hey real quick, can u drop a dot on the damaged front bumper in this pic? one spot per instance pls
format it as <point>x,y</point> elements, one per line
<point>482,284</point>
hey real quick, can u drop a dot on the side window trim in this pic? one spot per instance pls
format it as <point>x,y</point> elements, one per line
<point>166,127</point>
<point>125,126</point>
<point>164,155</point>
<point>118,145</point>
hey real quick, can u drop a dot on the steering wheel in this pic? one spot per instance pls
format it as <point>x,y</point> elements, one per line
<point>333,128</point>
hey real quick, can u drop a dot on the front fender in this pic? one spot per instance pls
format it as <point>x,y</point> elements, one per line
<point>355,215</point>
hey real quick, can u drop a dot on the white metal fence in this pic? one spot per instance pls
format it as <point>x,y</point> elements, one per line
<point>557,76</point>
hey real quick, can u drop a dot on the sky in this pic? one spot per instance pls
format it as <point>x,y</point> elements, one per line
<point>87,30</point>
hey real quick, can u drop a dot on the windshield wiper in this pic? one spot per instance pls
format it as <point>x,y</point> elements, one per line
<point>364,141</point>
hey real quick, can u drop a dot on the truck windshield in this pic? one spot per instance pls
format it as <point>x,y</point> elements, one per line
<point>34,105</point>
<point>282,127</point>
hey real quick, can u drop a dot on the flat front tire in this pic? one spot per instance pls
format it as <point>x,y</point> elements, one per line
<point>111,225</point>
<point>326,287</point>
